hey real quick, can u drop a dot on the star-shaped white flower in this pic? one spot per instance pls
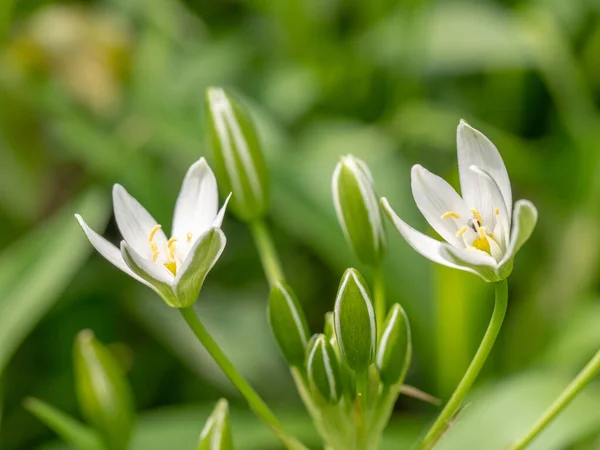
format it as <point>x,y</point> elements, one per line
<point>483,231</point>
<point>174,268</point>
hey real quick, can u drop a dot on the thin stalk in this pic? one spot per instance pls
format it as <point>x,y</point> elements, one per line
<point>256,403</point>
<point>267,252</point>
<point>380,303</point>
<point>581,380</point>
<point>463,388</point>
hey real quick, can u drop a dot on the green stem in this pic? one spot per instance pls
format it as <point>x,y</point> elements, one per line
<point>380,303</point>
<point>267,252</point>
<point>256,403</point>
<point>580,381</point>
<point>441,423</point>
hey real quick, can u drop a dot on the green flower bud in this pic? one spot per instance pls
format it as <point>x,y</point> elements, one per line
<point>239,164</point>
<point>329,327</point>
<point>323,370</point>
<point>357,208</point>
<point>102,390</point>
<point>354,319</point>
<point>216,434</point>
<point>395,348</point>
<point>288,324</point>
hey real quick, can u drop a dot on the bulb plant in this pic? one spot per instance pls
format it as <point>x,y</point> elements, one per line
<point>350,375</point>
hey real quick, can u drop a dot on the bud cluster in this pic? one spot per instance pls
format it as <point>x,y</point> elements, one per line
<point>344,366</point>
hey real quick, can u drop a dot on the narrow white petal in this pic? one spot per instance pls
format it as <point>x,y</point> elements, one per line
<point>198,200</point>
<point>145,268</point>
<point>423,244</point>
<point>478,262</point>
<point>524,221</point>
<point>434,197</point>
<point>474,149</point>
<point>135,223</point>
<point>503,216</point>
<point>221,214</point>
<point>106,249</point>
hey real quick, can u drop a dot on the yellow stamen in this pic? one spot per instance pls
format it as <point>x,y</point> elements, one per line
<point>477,215</point>
<point>450,214</point>
<point>481,243</point>
<point>497,211</point>
<point>189,237</point>
<point>171,246</point>
<point>155,251</point>
<point>462,231</point>
<point>153,232</point>
<point>172,266</point>
<point>481,232</point>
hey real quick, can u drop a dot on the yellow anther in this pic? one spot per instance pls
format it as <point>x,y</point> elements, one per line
<point>477,215</point>
<point>481,243</point>
<point>171,246</point>
<point>462,231</point>
<point>155,251</point>
<point>172,266</point>
<point>153,232</point>
<point>188,236</point>
<point>450,214</point>
<point>497,211</point>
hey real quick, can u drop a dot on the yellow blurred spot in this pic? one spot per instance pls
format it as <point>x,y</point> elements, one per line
<point>462,231</point>
<point>189,237</point>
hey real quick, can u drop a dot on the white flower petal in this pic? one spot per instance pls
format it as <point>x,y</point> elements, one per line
<point>479,262</point>
<point>200,260</point>
<point>221,214</point>
<point>135,223</point>
<point>197,204</point>
<point>106,249</point>
<point>423,244</point>
<point>434,197</point>
<point>524,221</point>
<point>503,216</point>
<point>474,149</point>
<point>145,268</point>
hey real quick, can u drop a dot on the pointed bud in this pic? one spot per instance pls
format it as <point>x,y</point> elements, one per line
<point>354,319</point>
<point>216,434</point>
<point>358,210</point>
<point>395,348</point>
<point>103,392</point>
<point>323,370</point>
<point>239,163</point>
<point>288,324</point>
<point>329,327</point>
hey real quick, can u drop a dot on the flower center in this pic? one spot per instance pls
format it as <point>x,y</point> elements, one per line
<point>170,263</point>
<point>475,223</point>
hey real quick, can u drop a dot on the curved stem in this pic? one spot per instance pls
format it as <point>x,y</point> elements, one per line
<point>256,403</point>
<point>267,252</point>
<point>582,379</point>
<point>380,304</point>
<point>441,423</point>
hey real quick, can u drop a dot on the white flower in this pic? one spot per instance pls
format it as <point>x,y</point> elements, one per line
<point>482,229</point>
<point>174,268</point>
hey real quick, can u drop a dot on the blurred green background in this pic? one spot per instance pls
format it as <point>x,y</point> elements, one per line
<point>98,92</point>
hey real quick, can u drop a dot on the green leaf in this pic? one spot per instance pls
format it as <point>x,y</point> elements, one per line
<point>103,391</point>
<point>500,413</point>
<point>70,430</point>
<point>395,348</point>
<point>354,318</point>
<point>35,270</point>
<point>216,434</point>
<point>288,324</point>
<point>239,163</point>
